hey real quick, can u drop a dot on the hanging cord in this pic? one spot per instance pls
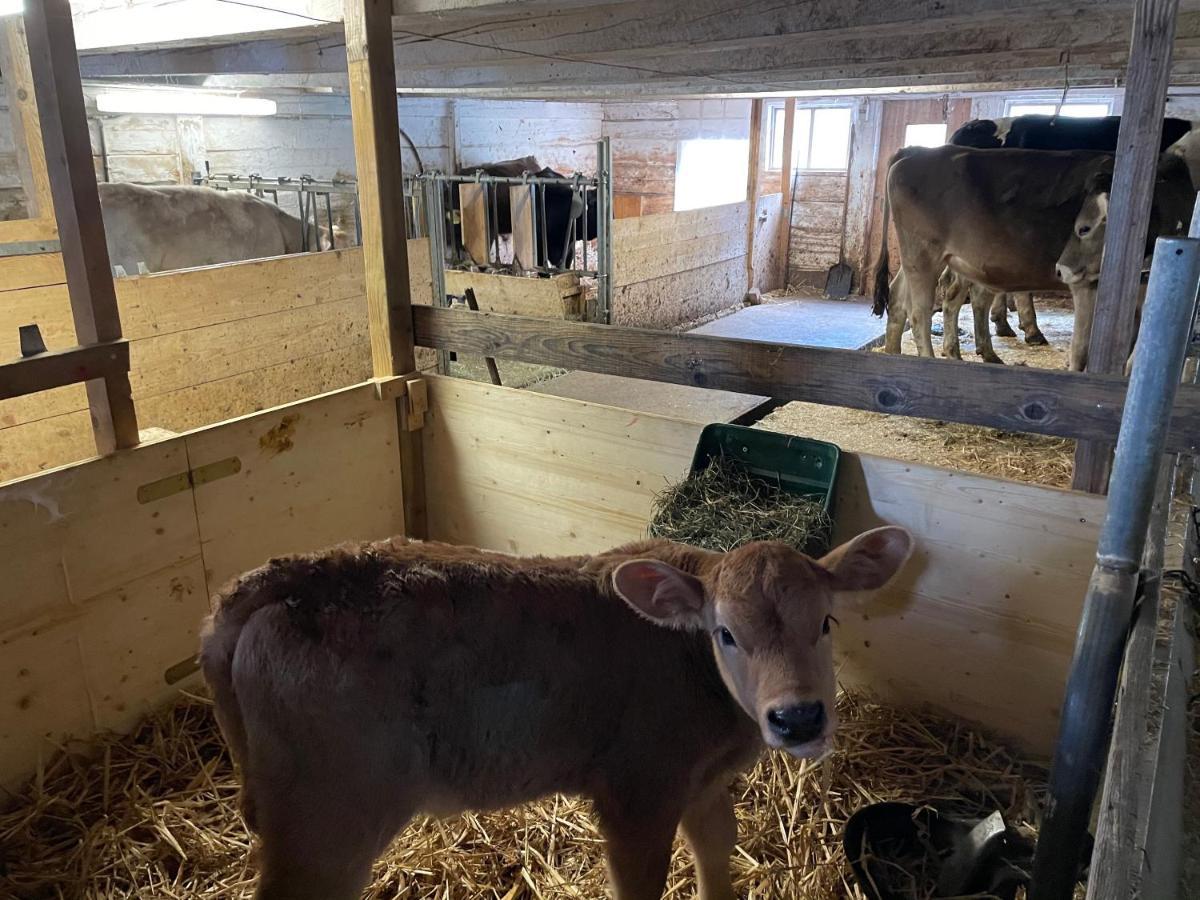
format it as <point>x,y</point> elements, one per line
<point>1066,57</point>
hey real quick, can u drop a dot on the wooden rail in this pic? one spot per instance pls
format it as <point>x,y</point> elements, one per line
<point>1034,401</point>
<point>59,368</point>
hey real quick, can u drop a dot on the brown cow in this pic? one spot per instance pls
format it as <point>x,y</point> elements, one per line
<point>360,686</point>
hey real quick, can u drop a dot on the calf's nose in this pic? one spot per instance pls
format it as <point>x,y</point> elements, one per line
<point>797,724</point>
<point>1065,275</point>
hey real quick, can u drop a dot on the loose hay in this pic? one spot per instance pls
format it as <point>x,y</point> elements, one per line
<point>723,506</point>
<point>154,815</point>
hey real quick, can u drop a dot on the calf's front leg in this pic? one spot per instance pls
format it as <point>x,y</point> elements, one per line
<point>710,828</point>
<point>638,835</point>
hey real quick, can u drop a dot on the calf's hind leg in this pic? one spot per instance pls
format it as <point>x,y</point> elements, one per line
<point>1027,317</point>
<point>1000,316</point>
<point>711,831</point>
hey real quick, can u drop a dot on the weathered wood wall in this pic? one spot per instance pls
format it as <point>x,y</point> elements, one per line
<point>205,344</point>
<point>675,267</point>
<point>993,592</point>
<point>817,223</point>
<point>562,136</point>
<point>119,555</point>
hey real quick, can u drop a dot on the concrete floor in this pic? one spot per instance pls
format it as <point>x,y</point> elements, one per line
<point>847,324</point>
<point>817,322</point>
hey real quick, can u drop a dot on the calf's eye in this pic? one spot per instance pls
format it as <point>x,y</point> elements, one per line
<point>825,624</point>
<point>726,637</point>
<point>1085,230</point>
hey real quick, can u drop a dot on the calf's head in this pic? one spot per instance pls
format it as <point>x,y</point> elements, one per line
<point>1080,260</point>
<point>769,609</point>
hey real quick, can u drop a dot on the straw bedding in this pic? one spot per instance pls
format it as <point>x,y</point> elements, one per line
<point>154,815</point>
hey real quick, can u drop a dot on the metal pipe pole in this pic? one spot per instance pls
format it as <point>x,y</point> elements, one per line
<point>604,258</point>
<point>1100,642</point>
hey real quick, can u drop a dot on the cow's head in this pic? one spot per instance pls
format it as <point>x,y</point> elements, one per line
<point>1080,260</point>
<point>769,611</point>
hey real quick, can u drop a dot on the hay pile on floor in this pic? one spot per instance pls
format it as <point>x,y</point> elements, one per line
<point>154,815</point>
<point>724,506</point>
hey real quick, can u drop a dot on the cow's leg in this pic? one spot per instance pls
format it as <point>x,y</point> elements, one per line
<point>952,301</point>
<point>1084,297</point>
<point>981,302</point>
<point>921,284</point>
<point>638,830</point>
<point>1000,316</point>
<point>711,831</point>
<point>318,841</point>
<point>1137,325</point>
<point>897,314</point>
<point>1027,318</point>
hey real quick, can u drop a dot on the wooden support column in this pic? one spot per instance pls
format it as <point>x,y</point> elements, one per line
<point>26,124</point>
<point>370,57</point>
<point>752,170</point>
<point>68,154</point>
<point>1129,213</point>
<point>787,179</point>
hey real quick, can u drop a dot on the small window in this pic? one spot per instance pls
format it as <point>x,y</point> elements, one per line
<point>930,135</point>
<point>711,172</point>
<point>821,139</point>
<point>1093,110</point>
<point>775,133</point>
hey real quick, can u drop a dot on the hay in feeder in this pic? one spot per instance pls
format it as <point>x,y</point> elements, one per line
<point>154,815</point>
<point>724,506</point>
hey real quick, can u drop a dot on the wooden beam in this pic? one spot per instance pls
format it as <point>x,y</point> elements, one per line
<point>58,368</point>
<point>372,78</point>
<point>787,179</point>
<point>1128,219</point>
<point>752,170</point>
<point>68,154</point>
<point>26,125</point>
<point>1034,401</point>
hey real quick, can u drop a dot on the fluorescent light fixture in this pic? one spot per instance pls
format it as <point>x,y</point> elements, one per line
<point>12,7</point>
<point>184,103</point>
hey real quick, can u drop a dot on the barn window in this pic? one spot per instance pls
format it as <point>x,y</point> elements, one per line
<point>711,172</point>
<point>932,134</point>
<point>1090,110</point>
<point>822,138</point>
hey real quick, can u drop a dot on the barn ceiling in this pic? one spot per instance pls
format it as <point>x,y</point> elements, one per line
<point>583,48</point>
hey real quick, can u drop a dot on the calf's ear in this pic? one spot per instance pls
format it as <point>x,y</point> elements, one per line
<point>660,592</point>
<point>870,560</point>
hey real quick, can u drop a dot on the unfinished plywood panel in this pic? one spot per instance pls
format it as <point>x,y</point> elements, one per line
<point>530,473</point>
<point>524,238</point>
<point>818,216</point>
<point>674,267</point>
<point>206,344</point>
<point>308,475</point>
<point>559,297</point>
<point>981,624</point>
<point>108,594</point>
<point>768,223</point>
<point>475,216</point>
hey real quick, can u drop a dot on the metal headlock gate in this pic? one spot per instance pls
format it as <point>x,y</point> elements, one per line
<point>444,221</point>
<point>314,198</point>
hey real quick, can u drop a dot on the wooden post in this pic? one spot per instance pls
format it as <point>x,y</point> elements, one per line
<point>787,179</point>
<point>752,170</point>
<point>1133,185</point>
<point>68,154</point>
<point>26,125</point>
<point>370,58</point>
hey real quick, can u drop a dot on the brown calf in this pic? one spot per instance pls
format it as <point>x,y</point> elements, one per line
<point>360,686</point>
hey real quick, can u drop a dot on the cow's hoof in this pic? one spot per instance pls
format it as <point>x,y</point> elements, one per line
<point>1037,339</point>
<point>991,358</point>
<point>952,354</point>
<point>1003,329</point>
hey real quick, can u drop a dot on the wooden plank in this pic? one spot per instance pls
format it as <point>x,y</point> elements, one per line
<point>679,297</point>
<point>19,273</point>
<point>67,145</point>
<point>627,206</point>
<point>524,240</point>
<point>993,593</point>
<point>57,368</point>
<point>752,176</point>
<point>1066,404</point>
<point>556,298</point>
<point>1124,242</point>
<point>26,125</point>
<point>313,474</point>
<point>474,215</point>
<point>110,593</point>
<point>372,77</point>
<point>786,181</point>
